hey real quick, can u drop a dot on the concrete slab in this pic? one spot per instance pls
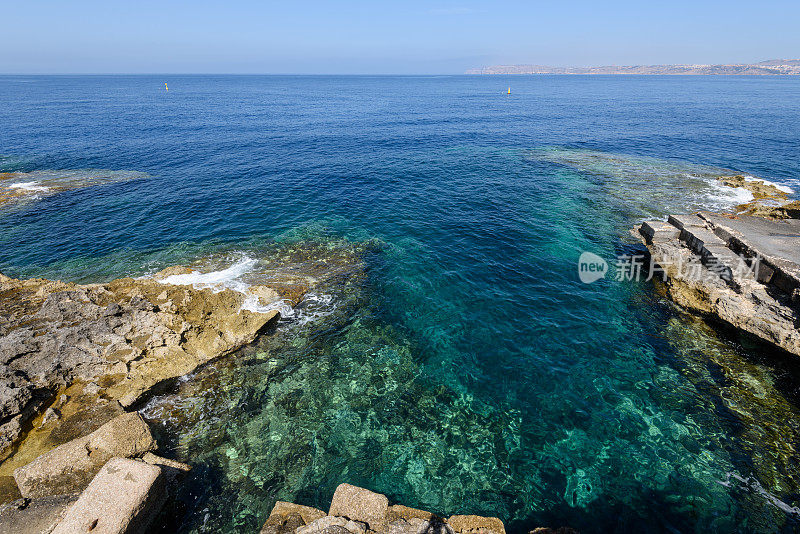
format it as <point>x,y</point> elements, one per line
<point>776,243</point>
<point>659,231</point>
<point>780,239</point>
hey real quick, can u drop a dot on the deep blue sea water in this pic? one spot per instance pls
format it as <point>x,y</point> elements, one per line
<point>458,364</point>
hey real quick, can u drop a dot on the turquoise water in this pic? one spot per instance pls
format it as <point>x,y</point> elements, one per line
<point>451,359</point>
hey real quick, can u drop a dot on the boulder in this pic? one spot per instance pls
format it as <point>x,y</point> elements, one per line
<point>172,470</point>
<point>398,511</point>
<point>475,523</point>
<point>123,498</point>
<point>360,504</point>
<point>70,467</point>
<point>415,525</point>
<point>307,513</point>
<point>25,516</point>
<point>282,524</point>
<point>125,436</point>
<point>333,525</point>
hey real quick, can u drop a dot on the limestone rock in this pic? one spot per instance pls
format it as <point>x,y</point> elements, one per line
<point>282,524</point>
<point>125,436</point>
<point>120,339</point>
<point>124,497</point>
<point>37,516</point>
<point>70,467</point>
<point>741,270</point>
<point>398,511</point>
<point>360,504</point>
<point>333,525</point>
<point>307,513</point>
<point>172,470</point>
<point>414,525</point>
<point>477,524</point>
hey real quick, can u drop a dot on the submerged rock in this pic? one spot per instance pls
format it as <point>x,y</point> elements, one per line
<point>20,187</point>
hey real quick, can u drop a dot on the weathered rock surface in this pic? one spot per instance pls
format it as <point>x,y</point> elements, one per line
<point>398,511</point>
<point>742,270</point>
<point>70,467</point>
<point>357,510</point>
<point>477,524</point>
<point>333,525</point>
<point>118,339</point>
<point>768,200</point>
<point>37,516</point>
<point>307,513</point>
<point>18,187</point>
<point>172,470</point>
<point>123,498</point>
<point>360,504</point>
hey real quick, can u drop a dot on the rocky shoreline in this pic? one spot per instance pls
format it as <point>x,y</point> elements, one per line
<point>741,269</point>
<point>74,356</point>
<point>77,360</point>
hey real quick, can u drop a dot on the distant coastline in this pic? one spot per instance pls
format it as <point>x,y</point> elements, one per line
<point>772,67</point>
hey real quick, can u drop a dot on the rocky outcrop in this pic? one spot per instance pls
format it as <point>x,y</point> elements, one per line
<point>769,200</point>
<point>742,270</point>
<point>109,344</point>
<point>357,510</point>
<point>38,516</point>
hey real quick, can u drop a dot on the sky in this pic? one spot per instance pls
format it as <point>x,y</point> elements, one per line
<point>409,37</point>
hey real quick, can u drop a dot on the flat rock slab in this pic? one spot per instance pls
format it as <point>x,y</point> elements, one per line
<point>659,231</point>
<point>475,523</point>
<point>779,239</point>
<point>360,504</point>
<point>34,517</point>
<point>123,498</point>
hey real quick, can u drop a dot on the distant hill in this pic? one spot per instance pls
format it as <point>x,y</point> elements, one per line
<point>769,67</point>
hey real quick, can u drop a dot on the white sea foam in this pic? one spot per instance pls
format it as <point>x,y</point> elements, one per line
<point>312,306</point>
<point>722,196</point>
<point>785,189</point>
<point>229,278</point>
<point>29,186</point>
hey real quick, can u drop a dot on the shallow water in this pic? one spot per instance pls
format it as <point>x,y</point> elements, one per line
<point>454,361</point>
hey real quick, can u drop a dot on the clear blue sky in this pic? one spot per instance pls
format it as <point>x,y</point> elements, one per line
<point>143,36</point>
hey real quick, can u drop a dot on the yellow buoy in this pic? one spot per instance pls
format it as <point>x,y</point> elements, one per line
<point>165,86</point>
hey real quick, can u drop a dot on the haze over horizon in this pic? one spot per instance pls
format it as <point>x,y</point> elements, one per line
<point>356,37</point>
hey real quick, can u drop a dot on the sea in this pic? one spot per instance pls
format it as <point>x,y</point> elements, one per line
<point>448,354</point>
